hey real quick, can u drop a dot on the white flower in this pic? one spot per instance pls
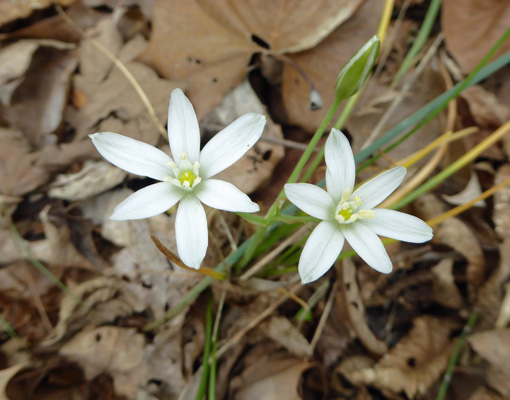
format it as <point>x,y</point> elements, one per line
<point>351,216</point>
<point>186,177</point>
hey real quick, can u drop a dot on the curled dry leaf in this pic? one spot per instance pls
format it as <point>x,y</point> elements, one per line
<point>213,42</point>
<point>42,94</point>
<point>415,363</point>
<point>472,27</point>
<point>281,330</point>
<point>5,376</point>
<point>274,376</point>
<point>256,167</point>
<point>94,178</point>
<point>494,346</point>
<point>470,192</point>
<point>356,310</point>
<point>501,216</point>
<point>444,289</point>
<point>485,394</point>
<point>485,107</point>
<point>456,234</point>
<point>117,351</point>
<point>11,11</point>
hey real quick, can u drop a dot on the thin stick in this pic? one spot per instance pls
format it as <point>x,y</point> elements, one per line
<point>324,318</point>
<point>129,76</point>
<point>254,322</point>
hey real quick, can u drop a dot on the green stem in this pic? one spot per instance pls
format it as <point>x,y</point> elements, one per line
<point>420,40</point>
<point>340,122</point>
<point>207,350</point>
<point>259,234</point>
<point>455,356</point>
<point>8,328</point>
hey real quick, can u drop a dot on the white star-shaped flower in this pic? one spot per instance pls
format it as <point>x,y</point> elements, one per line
<point>186,177</point>
<point>351,215</point>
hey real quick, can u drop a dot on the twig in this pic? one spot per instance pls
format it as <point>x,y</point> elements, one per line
<point>129,76</point>
<point>254,322</point>
<point>324,318</point>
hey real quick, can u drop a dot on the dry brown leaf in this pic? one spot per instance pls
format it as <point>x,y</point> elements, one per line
<point>323,63</point>
<point>42,95</point>
<point>444,289</point>
<point>17,173</point>
<point>257,166</point>
<point>492,292</point>
<point>501,215</point>
<point>272,377</point>
<point>485,107</point>
<point>281,330</point>
<point>494,346</point>
<point>456,234</point>
<point>115,106</point>
<point>472,27</point>
<point>484,394</point>
<point>118,351</point>
<point>470,192</point>
<point>11,11</point>
<point>5,376</point>
<point>94,178</point>
<point>415,363</point>
<point>356,310</point>
<point>213,42</point>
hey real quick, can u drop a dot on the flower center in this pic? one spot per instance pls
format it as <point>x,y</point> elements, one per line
<point>185,176</point>
<point>348,210</point>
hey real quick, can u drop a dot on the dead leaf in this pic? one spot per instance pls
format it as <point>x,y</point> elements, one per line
<point>501,213</point>
<point>118,351</point>
<point>485,107</point>
<point>11,11</point>
<point>356,310</point>
<point>94,178</point>
<point>270,377</point>
<point>323,63</point>
<point>456,234</point>
<point>470,192</point>
<point>444,289</point>
<point>484,394</point>
<point>257,166</point>
<point>281,330</point>
<point>494,346</point>
<point>42,95</point>
<point>5,376</point>
<point>415,363</point>
<point>17,173</point>
<point>213,42</point>
<point>471,28</point>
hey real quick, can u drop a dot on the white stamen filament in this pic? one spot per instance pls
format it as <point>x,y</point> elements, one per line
<point>348,210</point>
<point>185,176</point>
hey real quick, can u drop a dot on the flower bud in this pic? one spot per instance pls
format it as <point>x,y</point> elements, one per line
<point>355,73</point>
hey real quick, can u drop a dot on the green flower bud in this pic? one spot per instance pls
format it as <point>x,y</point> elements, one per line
<point>355,73</point>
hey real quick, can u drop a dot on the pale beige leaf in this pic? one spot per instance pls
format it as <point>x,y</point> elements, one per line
<point>118,351</point>
<point>5,376</point>
<point>472,27</point>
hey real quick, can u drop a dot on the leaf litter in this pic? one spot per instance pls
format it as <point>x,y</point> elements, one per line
<point>377,336</point>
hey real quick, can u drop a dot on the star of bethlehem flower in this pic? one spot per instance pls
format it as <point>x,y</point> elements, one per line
<point>187,176</point>
<point>350,215</point>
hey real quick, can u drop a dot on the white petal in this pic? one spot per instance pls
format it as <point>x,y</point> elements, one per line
<point>400,226</point>
<point>132,155</point>
<point>191,231</point>
<point>149,201</point>
<point>368,246</point>
<point>224,196</point>
<point>229,145</point>
<point>377,189</point>
<point>183,130</point>
<point>321,251</point>
<point>341,169</point>
<point>311,199</point>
